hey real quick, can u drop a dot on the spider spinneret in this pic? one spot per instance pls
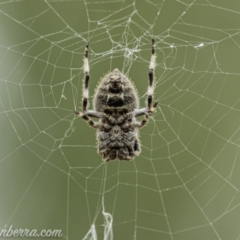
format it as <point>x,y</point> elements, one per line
<point>116,105</point>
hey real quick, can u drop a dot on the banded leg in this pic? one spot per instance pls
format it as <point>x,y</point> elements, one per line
<point>150,107</point>
<point>89,120</point>
<point>151,78</point>
<point>87,113</point>
<point>86,79</point>
<point>142,123</point>
<point>144,111</point>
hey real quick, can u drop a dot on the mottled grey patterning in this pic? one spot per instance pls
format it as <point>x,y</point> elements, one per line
<point>116,106</point>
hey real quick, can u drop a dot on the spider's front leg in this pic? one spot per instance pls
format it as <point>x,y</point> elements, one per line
<point>151,78</point>
<point>86,79</point>
<point>87,113</point>
<point>149,110</point>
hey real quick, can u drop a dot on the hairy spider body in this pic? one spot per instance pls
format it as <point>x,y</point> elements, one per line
<point>116,97</point>
<point>116,106</point>
<point>115,91</point>
<point>117,138</point>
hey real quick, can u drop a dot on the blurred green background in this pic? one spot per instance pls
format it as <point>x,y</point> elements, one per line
<point>185,184</point>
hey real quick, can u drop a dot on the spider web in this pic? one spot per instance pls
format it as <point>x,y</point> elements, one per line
<point>185,184</point>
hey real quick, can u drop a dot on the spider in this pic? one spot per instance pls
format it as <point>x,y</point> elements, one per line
<point>116,105</point>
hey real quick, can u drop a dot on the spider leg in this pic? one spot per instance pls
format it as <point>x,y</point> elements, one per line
<point>86,79</point>
<point>143,111</point>
<point>151,77</point>
<point>142,123</point>
<point>148,111</point>
<point>87,113</point>
<point>86,118</point>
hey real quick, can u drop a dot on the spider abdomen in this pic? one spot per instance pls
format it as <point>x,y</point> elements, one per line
<point>118,139</point>
<point>115,90</point>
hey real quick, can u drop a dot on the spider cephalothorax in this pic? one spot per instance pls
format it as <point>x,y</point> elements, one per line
<point>116,106</point>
